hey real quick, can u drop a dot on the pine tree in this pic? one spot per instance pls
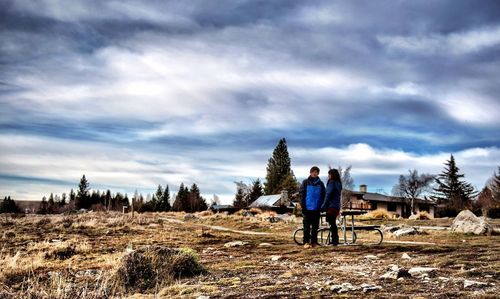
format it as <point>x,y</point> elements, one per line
<point>63,200</point>
<point>8,205</point>
<point>450,189</point>
<point>494,186</point>
<point>107,199</point>
<point>279,174</point>
<point>196,202</point>
<point>51,206</point>
<point>43,208</point>
<point>163,201</point>
<point>181,200</point>
<point>256,192</point>
<point>82,200</point>
<point>239,200</point>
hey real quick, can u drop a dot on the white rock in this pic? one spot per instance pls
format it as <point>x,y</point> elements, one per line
<point>405,256</point>
<point>370,287</point>
<point>203,297</point>
<point>468,223</point>
<point>265,245</point>
<point>235,244</point>
<point>371,257</point>
<point>405,231</point>
<point>422,271</point>
<point>188,217</point>
<point>275,258</point>
<point>469,283</point>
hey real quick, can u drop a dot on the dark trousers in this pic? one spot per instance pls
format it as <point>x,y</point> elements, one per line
<point>311,225</point>
<point>331,218</point>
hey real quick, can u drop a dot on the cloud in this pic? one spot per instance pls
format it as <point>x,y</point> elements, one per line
<point>140,92</point>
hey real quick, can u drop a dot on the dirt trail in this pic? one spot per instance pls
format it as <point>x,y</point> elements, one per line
<point>216,227</point>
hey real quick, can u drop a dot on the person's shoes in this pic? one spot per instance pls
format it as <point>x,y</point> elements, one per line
<point>333,244</point>
<point>307,246</point>
<point>313,245</point>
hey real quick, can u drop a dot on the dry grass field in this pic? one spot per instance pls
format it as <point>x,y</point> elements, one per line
<point>83,256</point>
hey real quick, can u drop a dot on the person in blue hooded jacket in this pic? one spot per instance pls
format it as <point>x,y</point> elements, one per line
<point>312,192</point>
<point>332,203</point>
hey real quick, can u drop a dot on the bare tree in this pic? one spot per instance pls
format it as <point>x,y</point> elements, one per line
<point>412,186</point>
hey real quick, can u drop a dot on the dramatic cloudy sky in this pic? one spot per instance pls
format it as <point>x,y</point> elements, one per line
<point>138,93</point>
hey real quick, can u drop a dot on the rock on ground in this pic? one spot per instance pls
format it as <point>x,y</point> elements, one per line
<point>468,223</point>
<point>469,283</point>
<point>406,231</point>
<point>422,271</point>
<point>235,244</point>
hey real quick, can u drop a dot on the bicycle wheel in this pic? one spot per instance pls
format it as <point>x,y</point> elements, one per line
<point>324,236</point>
<point>298,236</point>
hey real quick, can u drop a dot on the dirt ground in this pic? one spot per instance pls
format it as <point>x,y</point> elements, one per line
<point>75,256</point>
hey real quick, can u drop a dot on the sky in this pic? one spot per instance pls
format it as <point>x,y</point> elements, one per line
<point>139,93</point>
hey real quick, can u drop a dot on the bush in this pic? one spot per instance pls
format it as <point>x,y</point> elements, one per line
<point>155,266</point>
<point>377,214</point>
<point>423,215</point>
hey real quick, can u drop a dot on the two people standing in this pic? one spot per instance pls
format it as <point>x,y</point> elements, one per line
<point>315,197</point>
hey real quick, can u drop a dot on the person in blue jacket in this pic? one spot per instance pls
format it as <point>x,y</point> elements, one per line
<point>332,203</point>
<point>312,192</point>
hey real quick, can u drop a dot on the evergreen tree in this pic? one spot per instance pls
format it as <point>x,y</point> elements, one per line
<point>164,202</point>
<point>157,199</point>
<point>450,189</point>
<point>43,208</point>
<point>196,202</point>
<point>82,200</point>
<point>279,174</point>
<point>256,192</point>
<point>51,206</point>
<point>107,199</point>
<point>63,202</point>
<point>181,200</point>
<point>494,186</point>
<point>239,200</point>
<point>8,205</point>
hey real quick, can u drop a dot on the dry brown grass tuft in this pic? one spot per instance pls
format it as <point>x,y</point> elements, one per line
<point>154,268</point>
<point>256,211</point>
<point>423,215</point>
<point>204,214</point>
<point>377,214</point>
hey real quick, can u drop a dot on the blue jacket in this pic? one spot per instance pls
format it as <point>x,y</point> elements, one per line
<point>333,195</point>
<point>312,194</point>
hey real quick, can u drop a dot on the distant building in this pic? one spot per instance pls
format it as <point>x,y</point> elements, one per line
<point>364,200</point>
<point>223,208</point>
<point>272,201</point>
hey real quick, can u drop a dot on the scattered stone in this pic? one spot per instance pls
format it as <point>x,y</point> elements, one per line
<point>203,297</point>
<point>275,258</point>
<point>343,288</point>
<point>405,231</point>
<point>235,244</point>
<point>371,257</point>
<point>470,283</point>
<point>265,245</point>
<point>390,229</point>
<point>405,256</point>
<point>468,223</point>
<point>422,271</point>
<point>189,217</point>
<point>395,272</point>
<point>370,287</point>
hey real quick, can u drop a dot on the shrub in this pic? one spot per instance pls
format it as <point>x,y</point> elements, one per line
<point>377,214</point>
<point>155,266</point>
<point>423,215</point>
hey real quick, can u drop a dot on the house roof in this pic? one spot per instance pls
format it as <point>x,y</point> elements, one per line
<point>221,207</point>
<point>266,201</point>
<point>370,196</point>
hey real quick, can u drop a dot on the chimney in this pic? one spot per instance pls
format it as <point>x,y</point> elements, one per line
<point>363,188</point>
<point>284,198</point>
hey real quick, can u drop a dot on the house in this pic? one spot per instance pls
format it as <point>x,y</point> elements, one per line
<point>272,201</point>
<point>364,200</point>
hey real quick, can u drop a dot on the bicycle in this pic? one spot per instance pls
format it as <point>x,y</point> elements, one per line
<point>324,234</point>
